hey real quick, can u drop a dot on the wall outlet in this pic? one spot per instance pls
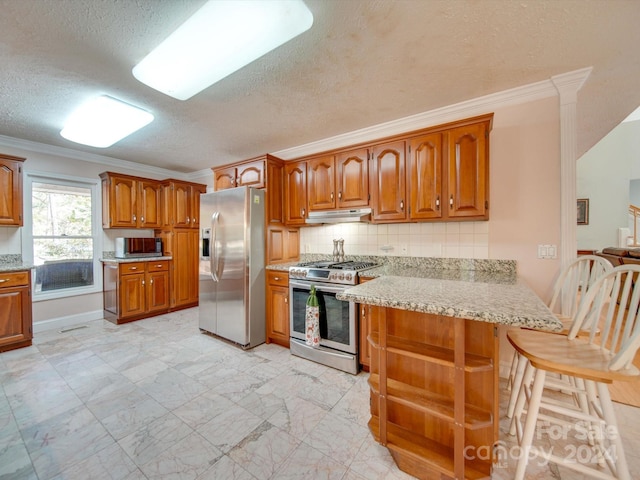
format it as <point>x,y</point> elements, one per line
<point>547,251</point>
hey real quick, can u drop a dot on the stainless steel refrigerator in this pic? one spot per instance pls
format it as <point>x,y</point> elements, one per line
<point>232,282</point>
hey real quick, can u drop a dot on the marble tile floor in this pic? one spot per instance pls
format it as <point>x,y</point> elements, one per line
<point>157,399</point>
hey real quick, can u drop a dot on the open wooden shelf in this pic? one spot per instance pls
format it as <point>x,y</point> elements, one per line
<point>431,353</point>
<point>431,403</point>
<point>420,452</point>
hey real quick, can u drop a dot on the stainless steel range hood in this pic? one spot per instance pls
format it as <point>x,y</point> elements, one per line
<point>340,216</point>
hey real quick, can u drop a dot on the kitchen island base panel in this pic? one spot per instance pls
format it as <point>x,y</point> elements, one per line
<point>434,392</point>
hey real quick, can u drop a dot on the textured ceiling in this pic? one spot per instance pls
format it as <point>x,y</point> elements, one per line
<point>362,63</point>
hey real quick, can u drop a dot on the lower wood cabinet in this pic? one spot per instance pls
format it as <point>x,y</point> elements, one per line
<point>135,290</point>
<point>434,393</point>
<point>278,307</point>
<point>16,329</point>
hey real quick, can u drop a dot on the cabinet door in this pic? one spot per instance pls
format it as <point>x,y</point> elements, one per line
<point>185,268</point>
<point>157,290</point>
<point>149,204</point>
<point>352,173</point>
<point>295,189</point>
<point>224,178</point>
<point>15,317</point>
<point>274,194</point>
<point>123,196</point>
<point>425,177</point>
<point>467,171</point>
<point>278,308</point>
<point>250,175</point>
<point>196,191</point>
<point>132,295</point>
<point>11,191</point>
<point>181,205</point>
<point>321,183</point>
<point>388,182</point>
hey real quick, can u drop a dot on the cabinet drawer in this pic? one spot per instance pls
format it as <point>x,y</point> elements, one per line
<point>14,279</point>
<point>279,278</point>
<point>134,267</point>
<point>158,266</point>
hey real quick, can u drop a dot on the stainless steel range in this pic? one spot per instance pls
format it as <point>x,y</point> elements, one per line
<point>338,320</point>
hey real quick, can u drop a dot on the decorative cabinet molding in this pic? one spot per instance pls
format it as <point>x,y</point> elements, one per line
<point>11,213</point>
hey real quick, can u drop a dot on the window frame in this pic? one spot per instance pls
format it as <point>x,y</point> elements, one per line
<point>93,185</point>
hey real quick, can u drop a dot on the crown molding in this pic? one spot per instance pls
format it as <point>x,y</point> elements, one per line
<point>86,157</point>
<point>469,108</point>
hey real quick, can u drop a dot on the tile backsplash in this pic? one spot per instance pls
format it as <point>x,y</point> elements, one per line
<point>451,240</point>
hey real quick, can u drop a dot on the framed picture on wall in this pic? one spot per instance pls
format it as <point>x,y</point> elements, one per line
<point>583,211</point>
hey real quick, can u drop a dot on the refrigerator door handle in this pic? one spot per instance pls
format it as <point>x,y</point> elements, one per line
<point>213,254</point>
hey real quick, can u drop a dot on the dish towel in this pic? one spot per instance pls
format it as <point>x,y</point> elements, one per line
<point>312,320</point>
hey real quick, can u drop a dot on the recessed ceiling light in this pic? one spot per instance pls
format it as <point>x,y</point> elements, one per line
<point>220,38</point>
<point>102,121</point>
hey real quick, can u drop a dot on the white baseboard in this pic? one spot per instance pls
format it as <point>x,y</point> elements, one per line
<point>67,321</point>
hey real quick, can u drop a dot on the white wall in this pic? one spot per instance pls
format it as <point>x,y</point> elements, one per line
<point>603,175</point>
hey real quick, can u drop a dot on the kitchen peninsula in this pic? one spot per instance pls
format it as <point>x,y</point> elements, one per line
<point>434,360</point>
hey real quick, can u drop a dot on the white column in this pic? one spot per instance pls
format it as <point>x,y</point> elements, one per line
<point>568,85</point>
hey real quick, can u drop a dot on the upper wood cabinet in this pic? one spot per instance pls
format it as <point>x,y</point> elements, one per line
<point>130,202</point>
<point>425,176</point>
<point>181,203</point>
<point>250,174</point>
<point>388,182</point>
<point>352,178</point>
<point>11,191</point>
<point>340,181</point>
<point>468,171</point>
<point>295,192</point>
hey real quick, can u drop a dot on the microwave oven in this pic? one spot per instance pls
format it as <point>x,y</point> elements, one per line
<point>127,247</point>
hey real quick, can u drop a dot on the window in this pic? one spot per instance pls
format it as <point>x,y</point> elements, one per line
<point>63,233</point>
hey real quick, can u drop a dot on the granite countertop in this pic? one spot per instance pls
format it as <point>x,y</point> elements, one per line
<point>15,267</point>
<point>493,298</point>
<point>131,260</point>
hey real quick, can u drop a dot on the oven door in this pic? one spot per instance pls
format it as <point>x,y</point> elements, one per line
<point>337,318</point>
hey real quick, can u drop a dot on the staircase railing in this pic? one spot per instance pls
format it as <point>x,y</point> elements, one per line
<point>634,211</point>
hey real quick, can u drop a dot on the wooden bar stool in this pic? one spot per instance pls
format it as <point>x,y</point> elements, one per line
<point>593,361</point>
<point>568,294</point>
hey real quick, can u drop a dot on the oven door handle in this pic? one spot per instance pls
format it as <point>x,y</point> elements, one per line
<point>320,287</point>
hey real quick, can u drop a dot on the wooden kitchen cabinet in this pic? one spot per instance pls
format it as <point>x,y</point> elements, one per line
<point>182,245</point>
<point>340,181</point>
<point>16,329</point>
<point>181,203</point>
<point>425,177</point>
<point>468,171</point>
<point>283,244</point>
<point>130,202</point>
<point>135,290</point>
<point>352,178</point>
<point>11,191</point>
<point>434,392</point>
<point>277,313</point>
<point>388,182</point>
<point>250,174</point>
<point>295,192</point>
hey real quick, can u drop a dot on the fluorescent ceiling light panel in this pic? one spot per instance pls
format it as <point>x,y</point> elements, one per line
<point>220,38</point>
<point>103,121</point>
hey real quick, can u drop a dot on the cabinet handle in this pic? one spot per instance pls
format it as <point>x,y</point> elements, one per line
<point>142,219</point>
<point>276,279</point>
<point>401,204</point>
<point>143,283</point>
<point>332,196</point>
<point>134,218</point>
<point>133,268</point>
<point>4,280</point>
<point>188,220</point>
<point>286,299</point>
<point>193,220</point>
<point>159,266</point>
<point>303,211</point>
<point>340,195</point>
<point>151,281</point>
<point>451,201</point>
<point>438,202</point>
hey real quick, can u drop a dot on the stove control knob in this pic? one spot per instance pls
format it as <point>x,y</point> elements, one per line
<point>348,276</point>
<point>332,276</point>
<point>341,276</point>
